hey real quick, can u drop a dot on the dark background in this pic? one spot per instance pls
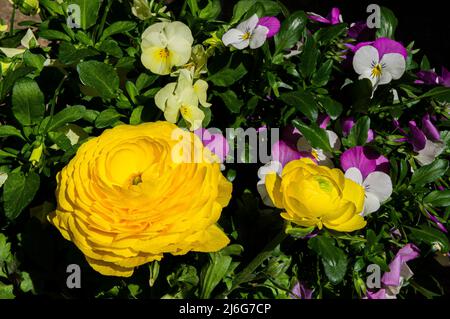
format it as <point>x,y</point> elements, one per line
<point>425,22</point>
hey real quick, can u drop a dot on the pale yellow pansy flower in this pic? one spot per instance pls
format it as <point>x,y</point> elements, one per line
<point>165,45</point>
<point>183,97</point>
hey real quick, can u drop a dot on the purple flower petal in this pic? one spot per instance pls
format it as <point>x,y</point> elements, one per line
<point>417,138</point>
<point>335,16</point>
<point>386,45</point>
<point>290,136</point>
<point>271,23</point>
<point>347,125</point>
<point>318,18</point>
<point>380,294</point>
<point>405,254</point>
<point>361,32</point>
<point>215,142</point>
<point>437,222</point>
<point>359,157</point>
<point>429,129</point>
<point>299,291</point>
<point>323,121</point>
<point>444,79</point>
<point>284,154</point>
<point>427,77</point>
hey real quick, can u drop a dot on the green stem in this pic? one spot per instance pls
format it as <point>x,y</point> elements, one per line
<point>11,20</point>
<point>53,102</point>
<point>243,276</point>
<point>103,21</point>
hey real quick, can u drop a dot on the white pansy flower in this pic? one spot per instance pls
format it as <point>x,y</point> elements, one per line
<point>377,187</point>
<point>247,33</point>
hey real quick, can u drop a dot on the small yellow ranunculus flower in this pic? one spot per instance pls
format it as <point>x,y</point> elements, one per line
<point>314,195</point>
<point>127,198</point>
<point>165,45</point>
<point>183,97</point>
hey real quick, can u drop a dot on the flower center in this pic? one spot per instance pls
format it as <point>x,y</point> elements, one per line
<point>136,180</point>
<point>315,154</point>
<point>164,53</point>
<point>246,36</point>
<point>324,184</point>
<point>185,112</point>
<point>377,70</point>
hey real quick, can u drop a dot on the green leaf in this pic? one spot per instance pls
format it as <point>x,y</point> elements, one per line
<point>227,76</point>
<point>18,192</point>
<point>27,102</point>
<point>54,35</point>
<point>271,8</point>
<point>332,107</point>
<point>107,118</point>
<point>8,130</point>
<point>6,291</point>
<point>360,92</point>
<point>388,23</point>
<point>309,57</point>
<point>5,249</point>
<point>10,79</point>
<point>290,32</point>
<point>111,47</point>
<point>322,76</point>
<point>316,136</point>
<point>88,12</point>
<point>144,80</point>
<point>430,236</point>
<point>359,132</point>
<point>435,198</point>
<point>135,117</point>
<point>68,54</point>
<point>213,272</point>
<point>26,285</point>
<point>118,27</point>
<point>231,100</point>
<point>440,93</point>
<point>34,60</point>
<point>100,76</point>
<point>334,259</point>
<point>303,101</point>
<point>67,115</point>
<point>327,34</point>
<point>429,173</point>
<point>211,11</point>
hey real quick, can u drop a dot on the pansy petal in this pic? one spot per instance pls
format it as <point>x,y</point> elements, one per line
<point>364,58</point>
<point>355,175</point>
<point>394,64</point>
<point>271,23</point>
<point>429,153</point>
<point>371,204</point>
<point>180,31</point>
<point>200,88</point>
<point>379,184</point>
<point>387,46</point>
<point>429,129</point>
<point>258,37</point>
<point>193,115</point>
<point>151,58</point>
<point>180,51</point>
<point>283,153</point>
<point>163,95</point>
<point>248,25</point>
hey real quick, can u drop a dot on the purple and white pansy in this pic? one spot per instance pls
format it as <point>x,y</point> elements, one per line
<point>399,273</point>
<point>367,168</point>
<point>252,32</point>
<point>380,61</point>
<point>426,141</point>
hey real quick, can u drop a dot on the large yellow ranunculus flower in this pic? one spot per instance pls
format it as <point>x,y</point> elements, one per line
<point>314,195</point>
<point>132,194</point>
<point>165,45</point>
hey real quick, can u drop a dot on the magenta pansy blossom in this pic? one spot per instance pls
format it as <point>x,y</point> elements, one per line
<point>380,61</point>
<point>334,17</point>
<point>425,141</point>
<point>365,159</point>
<point>399,272</point>
<point>215,142</point>
<point>365,167</point>
<point>271,23</point>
